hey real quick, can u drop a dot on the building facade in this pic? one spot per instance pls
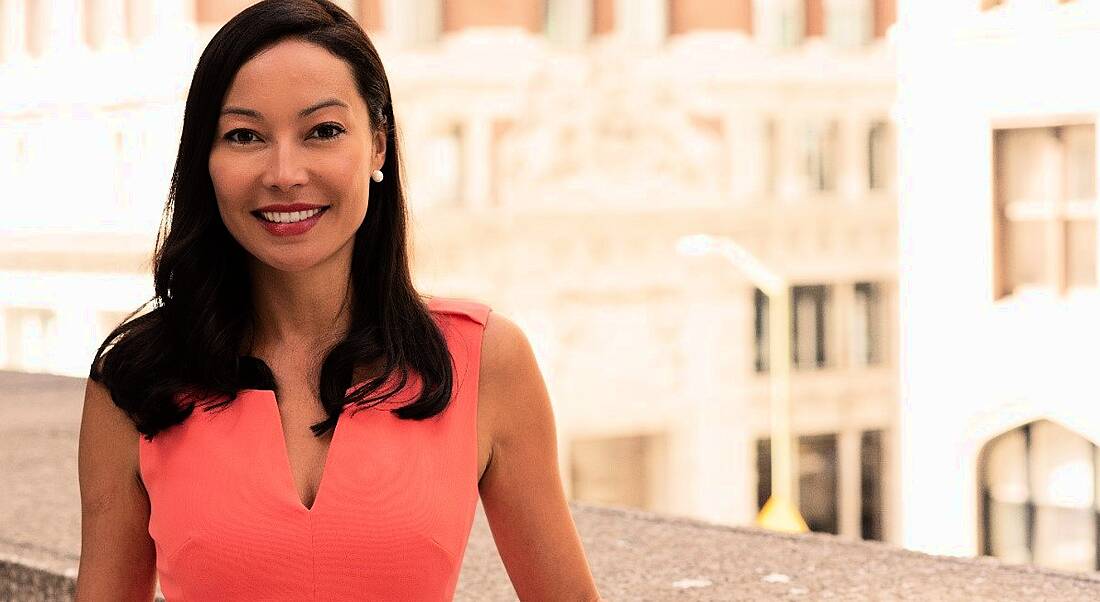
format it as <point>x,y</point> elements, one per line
<point>555,153</point>
<point>998,281</point>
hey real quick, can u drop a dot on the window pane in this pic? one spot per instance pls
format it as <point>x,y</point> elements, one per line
<point>871,471</point>
<point>779,23</point>
<point>760,330</point>
<point>817,482</point>
<point>1008,531</point>
<point>1005,468</point>
<point>820,148</point>
<point>1081,252</point>
<point>1080,147</point>
<point>848,23</point>
<point>881,156</point>
<point>810,311</point>
<point>1065,538</point>
<point>1061,466</point>
<point>818,485</point>
<point>867,341</point>
<point>771,152</point>
<point>1029,165</point>
<point>568,22</point>
<point>803,350</point>
<point>1025,241</point>
<point>763,472</point>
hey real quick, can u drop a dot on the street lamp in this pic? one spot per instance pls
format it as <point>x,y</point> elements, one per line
<point>780,513</point>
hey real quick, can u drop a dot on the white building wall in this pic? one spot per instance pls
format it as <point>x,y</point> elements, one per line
<point>972,368</point>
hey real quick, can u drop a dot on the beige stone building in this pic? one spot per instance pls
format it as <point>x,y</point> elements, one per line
<point>556,150</point>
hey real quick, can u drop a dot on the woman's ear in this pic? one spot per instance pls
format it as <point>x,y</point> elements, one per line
<point>379,156</point>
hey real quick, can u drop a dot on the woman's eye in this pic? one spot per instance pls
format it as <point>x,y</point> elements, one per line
<point>337,130</point>
<point>229,136</point>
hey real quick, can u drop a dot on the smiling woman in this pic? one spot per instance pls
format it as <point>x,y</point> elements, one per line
<point>284,306</point>
<point>281,151</point>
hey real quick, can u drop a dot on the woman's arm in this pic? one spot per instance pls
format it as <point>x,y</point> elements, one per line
<point>521,489</point>
<point>117,556</point>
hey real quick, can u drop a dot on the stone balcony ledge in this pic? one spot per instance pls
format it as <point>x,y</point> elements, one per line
<point>643,556</point>
<point>634,555</point>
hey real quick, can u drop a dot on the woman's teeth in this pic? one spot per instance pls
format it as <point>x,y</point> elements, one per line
<point>291,217</point>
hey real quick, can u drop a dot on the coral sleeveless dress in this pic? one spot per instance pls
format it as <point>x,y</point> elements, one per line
<point>391,517</point>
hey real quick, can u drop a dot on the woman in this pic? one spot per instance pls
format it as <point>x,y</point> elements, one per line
<point>221,446</point>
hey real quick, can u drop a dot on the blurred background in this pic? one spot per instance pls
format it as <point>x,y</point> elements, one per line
<point>919,177</point>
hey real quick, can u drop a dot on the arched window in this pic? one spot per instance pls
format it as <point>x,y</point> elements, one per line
<point>1039,497</point>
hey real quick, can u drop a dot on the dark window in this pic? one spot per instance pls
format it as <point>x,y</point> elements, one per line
<point>880,150</point>
<point>870,485</point>
<point>808,326</point>
<point>760,330</point>
<point>817,480</point>
<point>867,330</point>
<point>763,472</point>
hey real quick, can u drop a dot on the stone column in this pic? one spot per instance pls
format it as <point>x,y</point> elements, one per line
<point>75,323</point>
<point>839,318</point>
<point>569,22</point>
<point>477,163</point>
<point>854,169</point>
<point>106,23</point>
<point>851,498</point>
<point>412,22</point>
<point>791,185</point>
<point>642,22</point>
<point>13,33</point>
<point>749,157</point>
<point>717,440</point>
<point>58,26</point>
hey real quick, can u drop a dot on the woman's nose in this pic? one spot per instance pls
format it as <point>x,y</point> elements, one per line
<point>286,168</point>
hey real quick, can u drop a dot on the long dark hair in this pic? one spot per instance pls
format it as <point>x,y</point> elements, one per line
<point>191,340</point>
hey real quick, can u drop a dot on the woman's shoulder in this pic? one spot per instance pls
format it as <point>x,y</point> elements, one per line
<point>472,309</point>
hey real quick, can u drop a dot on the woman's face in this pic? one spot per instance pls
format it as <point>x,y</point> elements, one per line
<point>266,152</point>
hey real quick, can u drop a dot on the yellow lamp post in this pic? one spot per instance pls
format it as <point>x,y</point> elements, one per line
<point>780,513</point>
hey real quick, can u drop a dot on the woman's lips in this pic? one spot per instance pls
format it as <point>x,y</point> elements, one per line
<point>291,229</point>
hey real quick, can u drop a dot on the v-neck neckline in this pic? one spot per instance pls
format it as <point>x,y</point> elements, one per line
<point>281,443</point>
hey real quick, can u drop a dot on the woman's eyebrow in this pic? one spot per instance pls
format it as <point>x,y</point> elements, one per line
<point>328,102</point>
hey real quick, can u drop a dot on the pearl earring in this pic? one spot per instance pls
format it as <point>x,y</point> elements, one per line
<point>377,175</point>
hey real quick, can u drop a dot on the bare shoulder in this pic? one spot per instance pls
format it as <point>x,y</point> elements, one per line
<point>501,344</point>
<point>509,375</point>
<point>117,555</point>
<point>508,364</point>
<point>107,432</point>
